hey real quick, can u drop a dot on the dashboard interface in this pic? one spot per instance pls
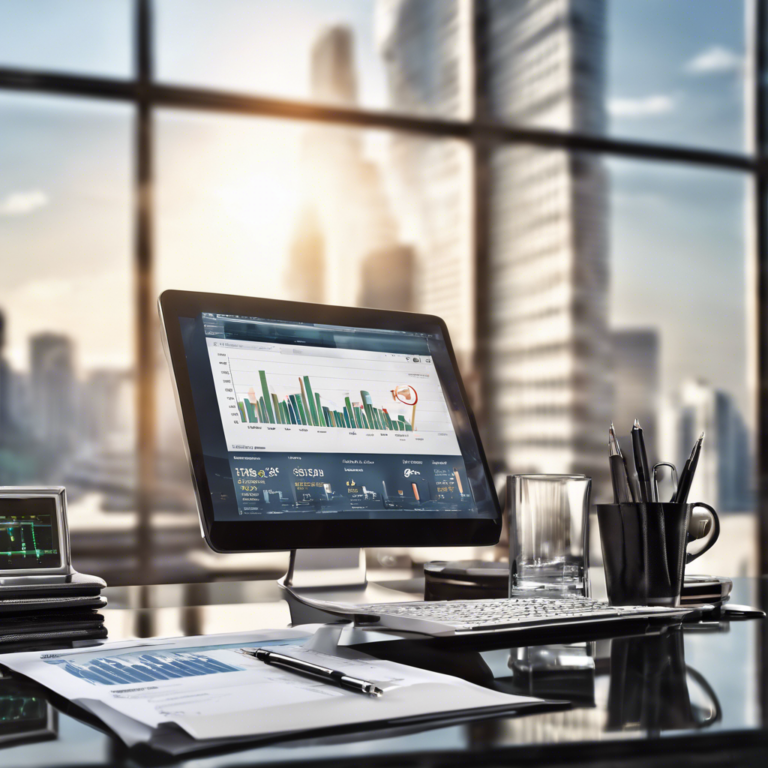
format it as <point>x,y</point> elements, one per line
<point>29,536</point>
<point>302,420</point>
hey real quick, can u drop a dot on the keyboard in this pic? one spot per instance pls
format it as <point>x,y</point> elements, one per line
<point>465,617</point>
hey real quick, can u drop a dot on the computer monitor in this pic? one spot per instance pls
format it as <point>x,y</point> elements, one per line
<point>313,426</point>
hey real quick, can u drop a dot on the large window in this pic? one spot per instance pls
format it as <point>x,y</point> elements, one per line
<point>571,184</point>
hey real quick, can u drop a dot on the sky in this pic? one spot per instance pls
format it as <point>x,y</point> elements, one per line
<point>228,188</point>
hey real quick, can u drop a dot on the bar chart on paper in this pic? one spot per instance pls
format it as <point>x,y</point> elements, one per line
<point>145,667</point>
<point>329,399</point>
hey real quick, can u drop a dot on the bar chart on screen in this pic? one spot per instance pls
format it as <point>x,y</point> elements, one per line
<point>279,397</point>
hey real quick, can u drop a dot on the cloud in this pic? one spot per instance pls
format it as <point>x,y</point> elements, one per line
<point>646,106</point>
<point>714,60</point>
<point>22,203</point>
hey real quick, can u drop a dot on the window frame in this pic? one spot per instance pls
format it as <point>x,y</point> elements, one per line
<point>480,132</point>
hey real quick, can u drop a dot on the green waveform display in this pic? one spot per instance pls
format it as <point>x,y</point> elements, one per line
<point>32,537</point>
<point>306,407</point>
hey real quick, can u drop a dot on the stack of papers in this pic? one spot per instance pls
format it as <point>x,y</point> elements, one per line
<point>191,693</point>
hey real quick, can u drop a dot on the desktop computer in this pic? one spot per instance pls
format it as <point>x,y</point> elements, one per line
<point>314,427</point>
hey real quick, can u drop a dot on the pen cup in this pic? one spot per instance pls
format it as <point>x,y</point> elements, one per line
<point>644,548</point>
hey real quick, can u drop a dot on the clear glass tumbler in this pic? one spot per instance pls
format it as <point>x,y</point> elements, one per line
<point>548,533</point>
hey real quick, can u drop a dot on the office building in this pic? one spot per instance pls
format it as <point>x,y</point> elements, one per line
<point>635,375</point>
<point>425,46</point>
<point>388,279</point>
<point>346,214</point>
<point>548,347</point>
<point>107,409</point>
<point>5,383</point>
<point>305,275</point>
<point>53,391</point>
<point>724,471</point>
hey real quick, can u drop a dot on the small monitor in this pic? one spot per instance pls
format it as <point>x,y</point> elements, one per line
<point>30,533</point>
<point>315,426</point>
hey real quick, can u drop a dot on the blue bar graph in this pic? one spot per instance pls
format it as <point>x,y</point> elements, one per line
<point>144,667</point>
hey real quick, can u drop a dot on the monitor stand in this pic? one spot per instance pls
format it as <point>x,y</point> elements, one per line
<point>326,568</point>
<point>331,574</point>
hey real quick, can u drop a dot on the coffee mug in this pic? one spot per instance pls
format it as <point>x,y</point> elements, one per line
<point>645,548</point>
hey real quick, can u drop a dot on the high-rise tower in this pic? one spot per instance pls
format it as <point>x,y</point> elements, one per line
<point>425,45</point>
<point>541,63</point>
<point>549,346</point>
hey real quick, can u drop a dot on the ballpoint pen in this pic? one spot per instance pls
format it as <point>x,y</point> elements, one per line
<point>622,491</point>
<point>641,463</point>
<point>325,674</point>
<point>689,470</point>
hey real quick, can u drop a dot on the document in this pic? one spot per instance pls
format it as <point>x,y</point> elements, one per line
<point>209,689</point>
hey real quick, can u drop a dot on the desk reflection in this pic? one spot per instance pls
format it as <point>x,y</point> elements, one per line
<point>649,687</point>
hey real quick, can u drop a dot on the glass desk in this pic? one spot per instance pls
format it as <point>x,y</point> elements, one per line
<point>696,696</point>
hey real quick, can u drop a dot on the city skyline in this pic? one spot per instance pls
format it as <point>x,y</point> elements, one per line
<point>256,172</point>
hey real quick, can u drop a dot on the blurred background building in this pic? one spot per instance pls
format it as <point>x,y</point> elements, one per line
<point>571,200</point>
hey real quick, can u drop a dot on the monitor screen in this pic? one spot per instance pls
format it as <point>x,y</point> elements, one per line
<point>305,421</point>
<point>29,534</point>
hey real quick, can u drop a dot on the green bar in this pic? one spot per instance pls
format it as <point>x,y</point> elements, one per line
<point>265,392</point>
<point>368,405</point>
<point>285,413</point>
<point>387,420</point>
<point>323,422</point>
<point>348,404</point>
<point>263,413</point>
<point>347,420</point>
<point>364,418</point>
<point>408,427</point>
<point>311,399</point>
<point>296,400</point>
<point>327,416</point>
<point>252,417</point>
<point>241,408</point>
<point>291,412</point>
<point>276,408</point>
<point>358,420</point>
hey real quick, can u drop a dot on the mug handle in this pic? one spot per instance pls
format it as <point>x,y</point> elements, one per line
<point>705,543</point>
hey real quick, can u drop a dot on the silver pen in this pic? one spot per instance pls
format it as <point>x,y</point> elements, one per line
<point>326,674</point>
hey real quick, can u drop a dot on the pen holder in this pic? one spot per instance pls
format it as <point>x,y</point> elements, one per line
<point>644,549</point>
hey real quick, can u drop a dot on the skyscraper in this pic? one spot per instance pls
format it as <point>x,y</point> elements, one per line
<point>542,63</point>
<point>305,274</point>
<point>343,188</point>
<point>724,471</point>
<point>5,383</point>
<point>426,48</point>
<point>635,368</point>
<point>53,390</point>
<point>388,279</point>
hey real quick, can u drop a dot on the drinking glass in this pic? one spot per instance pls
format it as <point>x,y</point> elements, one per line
<point>548,533</point>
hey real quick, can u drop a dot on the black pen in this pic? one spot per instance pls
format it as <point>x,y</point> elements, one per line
<point>641,463</point>
<point>622,492</point>
<point>326,674</point>
<point>689,470</point>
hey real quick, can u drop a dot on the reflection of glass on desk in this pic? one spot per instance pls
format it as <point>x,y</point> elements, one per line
<point>555,671</point>
<point>548,533</point>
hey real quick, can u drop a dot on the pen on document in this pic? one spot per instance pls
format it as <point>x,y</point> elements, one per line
<point>326,674</point>
<point>689,470</point>
<point>641,463</point>
<point>622,492</point>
